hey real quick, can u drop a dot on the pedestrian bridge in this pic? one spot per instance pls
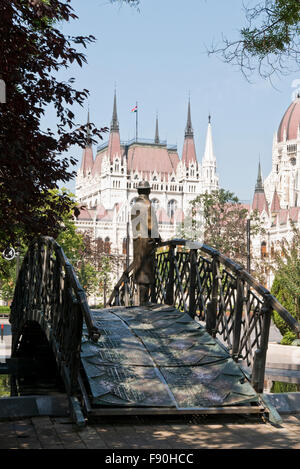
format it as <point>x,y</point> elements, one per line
<point>198,347</point>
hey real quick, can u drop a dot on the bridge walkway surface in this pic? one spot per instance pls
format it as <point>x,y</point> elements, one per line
<point>158,360</point>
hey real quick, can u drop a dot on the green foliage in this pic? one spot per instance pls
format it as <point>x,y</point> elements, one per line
<point>221,219</point>
<point>33,51</point>
<point>279,387</point>
<point>88,278</point>
<point>269,43</point>
<point>5,310</point>
<point>286,285</point>
<point>5,390</point>
<point>288,338</point>
<point>70,240</point>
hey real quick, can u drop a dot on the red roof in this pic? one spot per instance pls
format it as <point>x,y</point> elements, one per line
<point>294,213</point>
<point>84,214</point>
<point>178,216</point>
<point>149,158</point>
<point>189,151</point>
<point>275,205</point>
<point>174,158</point>
<point>162,216</point>
<point>290,121</point>
<point>87,161</point>
<point>260,202</point>
<point>97,164</point>
<point>101,212</point>
<point>283,216</point>
<point>114,146</point>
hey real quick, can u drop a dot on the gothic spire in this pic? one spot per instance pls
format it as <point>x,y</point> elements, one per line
<point>275,205</point>
<point>88,132</point>
<point>259,200</point>
<point>156,139</point>
<point>114,126</point>
<point>209,151</point>
<point>87,161</point>
<point>114,144</point>
<point>189,129</point>
<point>259,184</point>
<point>189,150</point>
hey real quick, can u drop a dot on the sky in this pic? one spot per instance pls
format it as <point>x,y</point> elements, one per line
<point>157,56</point>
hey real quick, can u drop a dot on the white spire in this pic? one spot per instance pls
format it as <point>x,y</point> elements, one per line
<point>209,151</point>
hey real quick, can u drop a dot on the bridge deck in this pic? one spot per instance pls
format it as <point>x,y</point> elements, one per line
<point>156,359</point>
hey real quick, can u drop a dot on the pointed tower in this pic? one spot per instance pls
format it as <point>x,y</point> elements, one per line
<point>275,205</point>
<point>156,138</point>
<point>209,150</point>
<point>259,199</point>
<point>189,151</point>
<point>209,162</point>
<point>114,146</point>
<point>87,161</point>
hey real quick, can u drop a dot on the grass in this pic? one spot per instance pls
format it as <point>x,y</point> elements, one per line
<point>5,310</point>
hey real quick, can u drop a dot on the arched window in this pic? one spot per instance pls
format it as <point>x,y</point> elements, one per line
<point>155,203</point>
<point>263,249</point>
<point>172,206</point>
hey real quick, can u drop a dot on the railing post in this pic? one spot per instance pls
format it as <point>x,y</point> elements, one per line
<point>238,313</point>
<point>153,293</point>
<point>170,284</point>
<point>212,306</point>
<point>259,363</point>
<point>192,287</point>
<point>117,297</point>
<point>126,291</point>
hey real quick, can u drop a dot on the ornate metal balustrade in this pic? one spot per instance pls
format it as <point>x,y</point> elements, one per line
<point>48,292</point>
<point>212,288</point>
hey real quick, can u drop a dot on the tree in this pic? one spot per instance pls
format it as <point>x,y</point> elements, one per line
<point>222,222</point>
<point>132,3</point>
<point>70,240</point>
<point>286,285</point>
<point>33,49</point>
<point>97,254</point>
<point>91,267</point>
<point>269,43</point>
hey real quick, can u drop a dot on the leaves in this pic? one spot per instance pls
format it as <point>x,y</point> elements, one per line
<point>286,285</point>
<point>33,49</point>
<point>224,219</point>
<point>270,43</point>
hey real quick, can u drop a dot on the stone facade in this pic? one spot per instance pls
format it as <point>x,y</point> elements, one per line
<point>278,198</point>
<point>107,185</point>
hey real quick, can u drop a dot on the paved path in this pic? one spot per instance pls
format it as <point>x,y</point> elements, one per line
<point>191,433</point>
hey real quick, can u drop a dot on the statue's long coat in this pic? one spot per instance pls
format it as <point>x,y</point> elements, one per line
<point>145,235</point>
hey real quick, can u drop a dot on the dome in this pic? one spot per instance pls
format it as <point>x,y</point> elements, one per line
<point>290,121</point>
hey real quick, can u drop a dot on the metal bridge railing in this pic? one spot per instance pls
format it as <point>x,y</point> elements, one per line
<point>209,286</point>
<point>48,292</point>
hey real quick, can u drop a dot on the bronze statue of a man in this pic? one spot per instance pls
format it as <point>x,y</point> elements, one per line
<point>145,238</point>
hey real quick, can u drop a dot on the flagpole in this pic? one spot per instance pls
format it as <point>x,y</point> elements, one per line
<point>136,122</point>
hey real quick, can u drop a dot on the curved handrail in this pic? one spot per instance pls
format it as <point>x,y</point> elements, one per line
<point>206,284</point>
<point>48,292</point>
<point>93,331</point>
<point>237,269</point>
